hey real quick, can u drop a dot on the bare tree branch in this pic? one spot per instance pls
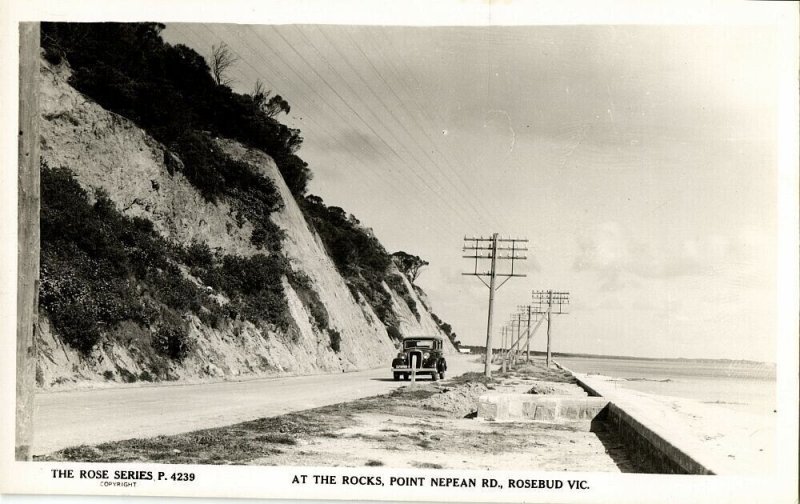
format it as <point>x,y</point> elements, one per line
<point>222,59</point>
<point>260,93</point>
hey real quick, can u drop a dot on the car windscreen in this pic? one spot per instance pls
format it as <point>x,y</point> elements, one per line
<point>418,344</point>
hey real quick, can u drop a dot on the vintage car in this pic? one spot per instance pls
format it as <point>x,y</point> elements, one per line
<point>420,353</point>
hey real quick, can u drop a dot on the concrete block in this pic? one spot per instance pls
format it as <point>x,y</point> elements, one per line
<point>520,407</point>
<point>487,410</point>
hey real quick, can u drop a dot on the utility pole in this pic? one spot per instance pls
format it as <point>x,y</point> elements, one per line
<point>519,332</point>
<point>515,344</point>
<point>529,332</point>
<point>549,355</point>
<point>545,301</point>
<point>509,347</point>
<point>27,236</point>
<point>493,276</point>
<point>531,316</point>
<point>482,248</point>
<point>503,351</point>
<point>528,341</point>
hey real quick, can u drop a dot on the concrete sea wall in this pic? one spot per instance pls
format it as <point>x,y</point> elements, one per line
<point>648,449</point>
<point>651,450</point>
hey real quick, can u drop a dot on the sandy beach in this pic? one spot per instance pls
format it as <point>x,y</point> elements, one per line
<point>726,440</point>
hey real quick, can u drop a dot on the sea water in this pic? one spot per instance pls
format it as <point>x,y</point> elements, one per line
<point>738,385</point>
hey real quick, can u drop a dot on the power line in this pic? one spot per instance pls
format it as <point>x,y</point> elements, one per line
<point>342,118</point>
<point>298,76</point>
<point>467,199</point>
<point>422,110</point>
<point>366,123</point>
<point>333,109</point>
<point>259,75</point>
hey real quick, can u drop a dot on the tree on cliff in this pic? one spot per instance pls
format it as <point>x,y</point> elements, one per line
<point>409,264</point>
<point>173,93</point>
<point>270,106</point>
<point>222,59</point>
<point>447,329</point>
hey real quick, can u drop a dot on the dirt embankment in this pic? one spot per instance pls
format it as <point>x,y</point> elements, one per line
<point>426,425</point>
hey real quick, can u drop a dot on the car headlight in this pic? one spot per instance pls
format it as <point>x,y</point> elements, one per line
<point>425,355</point>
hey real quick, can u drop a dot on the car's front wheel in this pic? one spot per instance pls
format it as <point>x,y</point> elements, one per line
<point>441,366</point>
<point>397,377</point>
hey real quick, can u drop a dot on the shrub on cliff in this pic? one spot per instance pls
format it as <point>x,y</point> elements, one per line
<point>355,251</point>
<point>99,268</point>
<point>171,339</point>
<point>361,259</point>
<point>308,295</point>
<point>168,90</point>
<point>197,254</point>
<point>88,256</point>
<point>253,285</point>
<point>336,340</point>
<point>353,248</point>
<point>394,333</point>
<point>447,329</point>
<point>396,283</point>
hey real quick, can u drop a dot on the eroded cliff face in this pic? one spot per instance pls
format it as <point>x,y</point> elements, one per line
<point>142,178</point>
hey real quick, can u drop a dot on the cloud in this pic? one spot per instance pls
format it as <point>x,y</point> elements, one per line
<point>354,142</point>
<point>500,121</point>
<point>533,264</point>
<point>605,250</point>
<point>619,258</point>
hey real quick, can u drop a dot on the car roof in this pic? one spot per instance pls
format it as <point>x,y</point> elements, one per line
<point>412,338</point>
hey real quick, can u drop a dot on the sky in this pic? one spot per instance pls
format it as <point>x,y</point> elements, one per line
<point>639,162</point>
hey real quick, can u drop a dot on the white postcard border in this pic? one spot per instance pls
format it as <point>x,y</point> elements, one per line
<point>275,482</point>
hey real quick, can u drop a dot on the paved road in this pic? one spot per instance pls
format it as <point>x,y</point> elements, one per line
<point>93,416</point>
